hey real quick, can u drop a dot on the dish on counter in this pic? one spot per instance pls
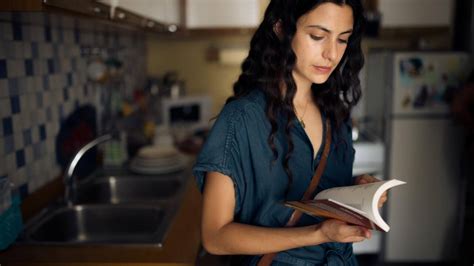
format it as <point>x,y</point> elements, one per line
<point>157,160</point>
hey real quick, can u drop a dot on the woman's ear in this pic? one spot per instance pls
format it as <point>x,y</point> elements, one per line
<point>277,29</point>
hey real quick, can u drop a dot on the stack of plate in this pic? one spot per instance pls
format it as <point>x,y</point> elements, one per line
<point>157,160</point>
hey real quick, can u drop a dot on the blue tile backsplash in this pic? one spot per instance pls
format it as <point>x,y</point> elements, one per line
<point>43,66</point>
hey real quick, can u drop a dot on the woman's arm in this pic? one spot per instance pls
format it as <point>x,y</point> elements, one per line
<point>221,235</point>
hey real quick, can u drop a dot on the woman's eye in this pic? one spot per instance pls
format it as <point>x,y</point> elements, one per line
<point>343,41</point>
<point>316,38</point>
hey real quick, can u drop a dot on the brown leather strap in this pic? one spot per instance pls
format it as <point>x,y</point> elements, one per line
<point>267,259</point>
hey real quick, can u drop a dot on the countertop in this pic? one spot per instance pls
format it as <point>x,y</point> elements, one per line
<point>180,247</point>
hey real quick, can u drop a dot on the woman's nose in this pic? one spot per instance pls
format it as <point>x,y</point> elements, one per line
<point>330,50</point>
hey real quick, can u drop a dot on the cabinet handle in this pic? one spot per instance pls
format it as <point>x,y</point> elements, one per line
<point>121,15</point>
<point>150,24</point>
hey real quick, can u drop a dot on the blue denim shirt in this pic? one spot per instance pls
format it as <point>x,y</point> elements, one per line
<point>237,146</point>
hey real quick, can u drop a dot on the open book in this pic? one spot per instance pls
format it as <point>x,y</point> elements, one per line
<point>356,204</point>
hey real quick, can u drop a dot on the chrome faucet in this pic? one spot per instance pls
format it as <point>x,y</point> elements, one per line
<point>69,181</point>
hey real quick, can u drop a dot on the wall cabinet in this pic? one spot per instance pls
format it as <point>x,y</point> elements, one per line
<point>222,14</point>
<point>109,10</point>
<point>103,10</point>
<point>419,13</point>
<point>198,15</point>
<point>165,11</point>
<point>162,16</point>
<point>154,12</point>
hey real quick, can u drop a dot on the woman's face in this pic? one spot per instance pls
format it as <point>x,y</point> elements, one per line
<point>320,41</point>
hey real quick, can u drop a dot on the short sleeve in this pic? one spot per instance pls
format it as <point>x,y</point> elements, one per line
<point>222,151</point>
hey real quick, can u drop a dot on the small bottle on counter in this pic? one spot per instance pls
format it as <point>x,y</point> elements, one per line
<point>115,151</point>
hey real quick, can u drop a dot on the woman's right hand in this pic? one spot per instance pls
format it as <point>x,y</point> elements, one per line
<point>338,231</point>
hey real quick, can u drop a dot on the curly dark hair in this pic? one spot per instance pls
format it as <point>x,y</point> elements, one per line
<point>271,61</point>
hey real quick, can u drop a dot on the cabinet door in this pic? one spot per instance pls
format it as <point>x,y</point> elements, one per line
<point>409,13</point>
<point>89,7</point>
<point>164,11</point>
<point>222,13</point>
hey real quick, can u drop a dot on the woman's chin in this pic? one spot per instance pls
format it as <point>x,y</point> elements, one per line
<point>320,80</point>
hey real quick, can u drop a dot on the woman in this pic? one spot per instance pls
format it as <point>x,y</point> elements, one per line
<point>302,69</point>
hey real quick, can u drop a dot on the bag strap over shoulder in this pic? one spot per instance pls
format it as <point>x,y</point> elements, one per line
<point>267,259</point>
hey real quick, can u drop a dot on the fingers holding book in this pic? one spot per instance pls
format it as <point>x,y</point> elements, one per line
<point>338,231</point>
<point>383,199</point>
<point>365,179</point>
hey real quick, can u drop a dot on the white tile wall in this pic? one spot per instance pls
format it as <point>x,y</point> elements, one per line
<point>65,53</point>
<point>29,155</point>
<point>10,161</point>
<point>17,124</point>
<point>30,85</point>
<point>35,18</point>
<point>18,140</point>
<point>5,108</point>
<point>45,50</point>
<point>68,36</point>
<point>3,88</point>
<point>3,170</point>
<point>22,84</point>
<point>16,68</point>
<point>15,50</point>
<point>2,49</point>
<point>7,32</point>
<point>37,33</point>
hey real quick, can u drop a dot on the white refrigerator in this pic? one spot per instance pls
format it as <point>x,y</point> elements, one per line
<point>407,97</point>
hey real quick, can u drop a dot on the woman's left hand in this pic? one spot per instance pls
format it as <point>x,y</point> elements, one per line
<point>364,179</point>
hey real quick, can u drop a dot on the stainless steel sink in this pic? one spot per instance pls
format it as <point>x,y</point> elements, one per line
<point>109,209</point>
<point>128,189</point>
<point>99,224</point>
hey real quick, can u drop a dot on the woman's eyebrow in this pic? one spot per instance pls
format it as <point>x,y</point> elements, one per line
<point>327,30</point>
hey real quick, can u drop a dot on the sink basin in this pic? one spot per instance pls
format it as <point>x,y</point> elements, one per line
<point>110,209</point>
<point>132,189</point>
<point>111,224</point>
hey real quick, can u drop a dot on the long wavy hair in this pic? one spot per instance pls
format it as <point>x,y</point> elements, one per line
<point>271,60</point>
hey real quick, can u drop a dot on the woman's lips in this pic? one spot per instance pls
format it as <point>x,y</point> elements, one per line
<point>322,69</point>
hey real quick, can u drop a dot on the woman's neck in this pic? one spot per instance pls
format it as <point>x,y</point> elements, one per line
<point>302,96</point>
<point>303,91</point>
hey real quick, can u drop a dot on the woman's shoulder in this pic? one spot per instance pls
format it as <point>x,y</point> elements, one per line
<point>249,104</point>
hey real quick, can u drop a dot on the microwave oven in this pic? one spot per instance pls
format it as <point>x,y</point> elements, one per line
<point>193,112</point>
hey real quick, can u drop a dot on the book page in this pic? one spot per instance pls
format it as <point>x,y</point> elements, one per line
<point>363,197</point>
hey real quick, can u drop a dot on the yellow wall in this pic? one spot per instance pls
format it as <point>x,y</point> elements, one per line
<point>188,58</point>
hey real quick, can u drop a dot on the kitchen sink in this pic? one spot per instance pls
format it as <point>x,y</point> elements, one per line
<point>109,209</point>
<point>126,189</point>
<point>99,224</point>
